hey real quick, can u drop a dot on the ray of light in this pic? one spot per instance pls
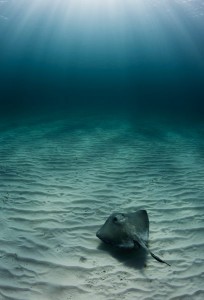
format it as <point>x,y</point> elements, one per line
<point>116,28</point>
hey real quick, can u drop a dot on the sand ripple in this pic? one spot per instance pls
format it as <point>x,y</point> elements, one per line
<point>58,183</point>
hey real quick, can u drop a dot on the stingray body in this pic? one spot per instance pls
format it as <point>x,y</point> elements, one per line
<point>127,231</point>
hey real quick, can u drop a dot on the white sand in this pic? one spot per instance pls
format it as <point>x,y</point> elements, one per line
<point>60,180</point>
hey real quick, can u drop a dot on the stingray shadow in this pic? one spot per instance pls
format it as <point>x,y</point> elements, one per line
<point>131,258</point>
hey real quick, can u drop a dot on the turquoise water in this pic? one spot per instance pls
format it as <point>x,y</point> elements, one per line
<point>101,111</point>
<point>89,53</point>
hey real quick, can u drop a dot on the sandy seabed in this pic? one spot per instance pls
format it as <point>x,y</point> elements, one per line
<point>61,178</point>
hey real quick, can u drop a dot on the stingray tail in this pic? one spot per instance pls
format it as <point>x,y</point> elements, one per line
<point>159,259</point>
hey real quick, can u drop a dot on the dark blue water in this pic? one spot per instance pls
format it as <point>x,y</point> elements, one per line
<point>132,55</point>
<point>101,111</point>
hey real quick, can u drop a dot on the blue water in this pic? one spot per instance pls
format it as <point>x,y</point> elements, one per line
<point>130,55</point>
<point>101,110</point>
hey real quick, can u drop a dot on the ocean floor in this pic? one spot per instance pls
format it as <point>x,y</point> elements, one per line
<point>60,178</point>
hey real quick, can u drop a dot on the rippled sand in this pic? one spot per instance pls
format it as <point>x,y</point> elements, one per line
<point>61,178</point>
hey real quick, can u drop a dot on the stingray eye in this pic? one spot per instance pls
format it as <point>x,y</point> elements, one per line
<point>115,219</point>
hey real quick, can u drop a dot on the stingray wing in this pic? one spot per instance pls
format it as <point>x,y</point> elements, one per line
<point>139,224</point>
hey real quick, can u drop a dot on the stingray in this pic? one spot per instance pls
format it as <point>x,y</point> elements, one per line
<point>127,231</point>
